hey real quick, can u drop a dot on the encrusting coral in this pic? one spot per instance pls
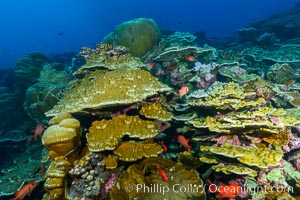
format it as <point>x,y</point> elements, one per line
<point>110,162</point>
<point>145,175</point>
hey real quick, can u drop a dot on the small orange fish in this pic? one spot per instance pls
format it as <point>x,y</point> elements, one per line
<point>184,142</point>
<point>163,146</point>
<point>288,84</point>
<point>224,191</point>
<point>25,191</point>
<point>162,173</point>
<point>38,131</point>
<point>183,91</point>
<point>190,58</point>
<point>263,95</point>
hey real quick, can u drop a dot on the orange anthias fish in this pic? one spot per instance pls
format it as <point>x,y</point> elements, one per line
<point>288,84</point>
<point>163,146</point>
<point>25,191</point>
<point>225,191</point>
<point>184,142</point>
<point>183,91</point>
<point>38,131</point>
<point>190,58</point>
<point>162,173</point>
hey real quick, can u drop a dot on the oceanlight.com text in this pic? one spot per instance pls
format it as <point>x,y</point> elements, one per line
<point>212,188</point>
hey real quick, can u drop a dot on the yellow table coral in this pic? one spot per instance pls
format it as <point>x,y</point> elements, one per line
<point>132,151</point>
<point>105,134</point>
<point>154,110</point>
<point>114,88</point>
<point>258,157</point>
<point>227,96</point>
<point>235,169</point>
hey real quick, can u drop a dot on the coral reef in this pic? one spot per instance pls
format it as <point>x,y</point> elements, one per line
<point>176,52</point>
<point>27,69</point>
<point>258,157</point>
<point>138,35</point>
<point>180,179</point>
<point>186,120</point>
<point>281,73</point>
<point>236,73</point>
<point>94,91</point>
<point>88,175</point>
<point>105,134</point>
<point>107,57</point>
<point>180,39</point>
<point>132,151</point>
<point>55,178</point>
<point>227,96</point>
<point>8,106</point>
<point>43,95</point>
<point>62,138</point>
<point>15,176</point>
<point>284,25</point>
<point>155,111</point>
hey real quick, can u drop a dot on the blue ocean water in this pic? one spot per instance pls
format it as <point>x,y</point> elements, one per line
<point>55,26</point>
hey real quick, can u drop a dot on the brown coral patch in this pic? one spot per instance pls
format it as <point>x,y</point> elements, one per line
<point>105,134</point>
<point>132,151</point>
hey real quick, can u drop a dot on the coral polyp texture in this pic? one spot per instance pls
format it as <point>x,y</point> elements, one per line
<point>114,88</point>
<point>105,134</point>
<point>145,173</point>
<point>228,96</point>
<point>132,151</point>
<point>155,110</point>
<point>258,157</point>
